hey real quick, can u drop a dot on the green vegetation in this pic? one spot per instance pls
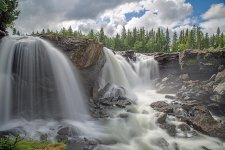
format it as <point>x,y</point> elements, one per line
<point>151,41</point>
<point>9,143</point>
<point>8,13</point>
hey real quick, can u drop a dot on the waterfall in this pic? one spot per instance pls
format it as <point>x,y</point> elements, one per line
<point>112,71</point>
<point>146,68</point>
<point>37,82</point>
<point>119,71</point>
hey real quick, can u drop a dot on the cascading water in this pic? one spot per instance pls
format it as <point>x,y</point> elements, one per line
<point>37,82</point>
<point>146,68</point>
<point>136,129</point>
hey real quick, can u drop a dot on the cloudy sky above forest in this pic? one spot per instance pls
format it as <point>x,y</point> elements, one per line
<point>85,15</point>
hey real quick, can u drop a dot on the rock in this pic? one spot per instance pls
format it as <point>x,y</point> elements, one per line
<point>184,77</point>
<point>67,131</point>
<point>44,137</point>
<point>169,85</point>
<point>170,97</point>
<point>201,120</point>
<point>221,68</point>
<point>220,88</point>
<point>168,63</point>
<point>201,65</point>
<point>170,128</point>
<point>2,33</point>
<point>220,76</point>
<point>80,143</point>
<point>162,118</point>
<point>161,142</point>
<point>162,106</point>
<point>86,54</point>
<point>17,131</point>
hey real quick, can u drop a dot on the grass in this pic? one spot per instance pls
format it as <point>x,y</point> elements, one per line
<point>7,143</point>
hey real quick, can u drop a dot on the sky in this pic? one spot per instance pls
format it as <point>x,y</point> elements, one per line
<point>112,15</point>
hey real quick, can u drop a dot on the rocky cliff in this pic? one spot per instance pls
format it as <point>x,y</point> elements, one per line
<point>86,54</point>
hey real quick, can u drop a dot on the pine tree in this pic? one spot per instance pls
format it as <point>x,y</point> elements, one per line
<point>217,38</point>
<point>222,40</point>
<point>70,31</point>
<point>102,36</point>
<point>206,41</point>
<point>167,46</point>
<point>175,42</point>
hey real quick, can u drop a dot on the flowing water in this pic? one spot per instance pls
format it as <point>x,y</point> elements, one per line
<point>40,92</point>
<point>37,82</point>
<point>138,130</point>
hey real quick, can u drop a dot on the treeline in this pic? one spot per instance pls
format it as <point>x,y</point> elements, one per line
<point>158,40</point>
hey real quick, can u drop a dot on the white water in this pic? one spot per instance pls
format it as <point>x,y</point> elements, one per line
<point>139,131</point>
<point>37,82</point>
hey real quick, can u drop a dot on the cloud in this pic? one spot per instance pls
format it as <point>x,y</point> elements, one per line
<point>213,18</point>
<point>170,14</point>
<point>90,9</point>
<point>85,15</point>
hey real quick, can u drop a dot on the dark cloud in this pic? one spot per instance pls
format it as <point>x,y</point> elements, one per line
<point>38,14</point>
<point>89,9</point>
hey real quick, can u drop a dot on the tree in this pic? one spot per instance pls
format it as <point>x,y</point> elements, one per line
<point>91,34</point>
<point>222,40</point>
<point>70,31</point>
<point>8,13</point>
<point>18,33</point>
<point>102,36</point>
<point>175,42</point>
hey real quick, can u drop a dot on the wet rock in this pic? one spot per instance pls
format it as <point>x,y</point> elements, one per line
<point>44,137</point>
<point>68,131</point>
<point>201,120</point>
<point>82,143</point>
<point>161,118</point>
<point>170,128</point>
<point>18,131</point>
<point>170,97</point>
<point>162,106</point>
<point>2,33</point>
<point>162,143</point>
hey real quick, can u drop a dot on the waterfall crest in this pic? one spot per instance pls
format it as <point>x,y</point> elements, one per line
<point>37,82</point>
<point>119,71</point>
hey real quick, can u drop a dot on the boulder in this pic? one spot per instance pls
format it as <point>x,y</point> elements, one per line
<point>2,33</point>
<point>162,106</point>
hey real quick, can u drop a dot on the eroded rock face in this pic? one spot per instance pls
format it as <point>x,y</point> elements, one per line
<point>86,54</point>
<point>201,65</point>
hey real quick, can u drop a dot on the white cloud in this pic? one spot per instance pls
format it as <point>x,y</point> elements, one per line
<point>55,14</point>
<point>213,18</point>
